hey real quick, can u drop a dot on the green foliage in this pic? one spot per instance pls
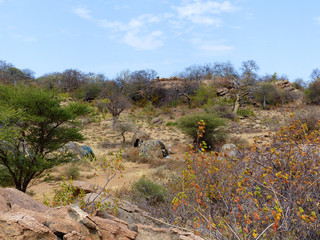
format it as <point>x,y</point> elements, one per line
<point>36,125</point>
<point>170,124</point>
<point>214,133</point>
<point>65,195</point>
<point>245,112</point>
<point>5,177</point>
<point>312,94</point>
<point>89,91</point>
<point>204,94</point>
<point>153,192</point>
<point>266,92</point>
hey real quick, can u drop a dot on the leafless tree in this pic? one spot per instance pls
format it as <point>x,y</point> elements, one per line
<point>71,79</point>
<point>114,102</point>
<point>245,84</point>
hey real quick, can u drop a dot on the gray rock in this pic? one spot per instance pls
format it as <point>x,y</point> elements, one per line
<point>156,120</point>
<point>230,150</point>
<point>153,149</point>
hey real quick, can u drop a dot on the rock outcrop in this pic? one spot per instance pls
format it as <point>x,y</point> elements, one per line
<point>285,84</point>
<point>23,218</point>
<point>174,83</point>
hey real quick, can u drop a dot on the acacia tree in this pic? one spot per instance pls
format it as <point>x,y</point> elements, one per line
<point>34,126</point>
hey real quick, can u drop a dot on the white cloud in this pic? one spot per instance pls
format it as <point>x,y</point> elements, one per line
<point>135,24</point>
<point>136,31</point>
<point>144,42</point>
<point>207,21</point>
<point>141,32</point>
<point>82,12</point>
<point>201,12</point>
<point>318,20</point>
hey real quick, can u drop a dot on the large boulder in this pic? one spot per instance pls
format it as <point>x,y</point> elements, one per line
<point>78,151</point>
<point>153,149</point>
<point>11,196</point>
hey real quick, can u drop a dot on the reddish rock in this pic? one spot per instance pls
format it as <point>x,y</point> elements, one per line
<point>13,196</point>
<point>21,226</point>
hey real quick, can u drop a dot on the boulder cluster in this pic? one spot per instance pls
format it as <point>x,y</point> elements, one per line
<point>22,217</point>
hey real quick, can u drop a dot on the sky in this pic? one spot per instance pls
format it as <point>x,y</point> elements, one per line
<point>109,36</point>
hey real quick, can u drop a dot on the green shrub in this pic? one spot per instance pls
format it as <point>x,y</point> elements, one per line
<point>312,94</point>
<point>88,92</point>
<point>152,192</point>
<point>169,124</point>
<point>214,128</point>
<point>204,94</point>
<point>245,112</point>
<point>6,179</point>
<point>266,93</point>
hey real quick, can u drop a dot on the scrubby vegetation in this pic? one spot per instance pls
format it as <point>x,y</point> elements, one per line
<point>266,190</point>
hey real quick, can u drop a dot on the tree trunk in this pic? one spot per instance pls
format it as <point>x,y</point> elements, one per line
<point>115,120</point>
<point>236,104</point>
<point>123,137</point>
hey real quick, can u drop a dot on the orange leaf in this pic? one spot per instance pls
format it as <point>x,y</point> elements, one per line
<point>246,230</point>
<point>311,219</point>
<point>276,225</point>
<point>256,216</point>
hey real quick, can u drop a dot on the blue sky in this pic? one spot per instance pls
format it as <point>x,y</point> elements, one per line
<point>108,36</point>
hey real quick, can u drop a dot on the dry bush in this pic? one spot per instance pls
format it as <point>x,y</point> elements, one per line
<point>308,116</point>
<point>272,191</point>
